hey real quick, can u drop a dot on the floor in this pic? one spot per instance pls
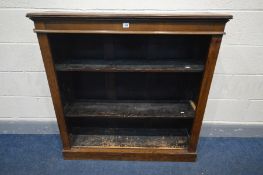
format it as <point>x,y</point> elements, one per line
<point>40,154</point>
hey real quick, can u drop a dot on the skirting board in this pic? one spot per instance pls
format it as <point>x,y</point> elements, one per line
<point>49,126</point>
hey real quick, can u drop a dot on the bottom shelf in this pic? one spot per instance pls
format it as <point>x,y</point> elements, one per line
<point>130,131</point>
<point>130,138</point>
<point>129,144</point>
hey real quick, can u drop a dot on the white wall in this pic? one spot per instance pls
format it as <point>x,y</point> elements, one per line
<point>237,88</point>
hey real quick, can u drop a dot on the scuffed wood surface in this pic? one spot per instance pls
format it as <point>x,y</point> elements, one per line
<point>130,137</point>
<point>132,66</point>
<point>127,109</point>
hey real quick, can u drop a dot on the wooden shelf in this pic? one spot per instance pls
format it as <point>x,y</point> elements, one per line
<point>131,66</point>
<point>130,138</point>
<point>129,110</point>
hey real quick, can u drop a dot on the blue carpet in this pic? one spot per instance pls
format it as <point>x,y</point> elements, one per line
<point>41,154</point>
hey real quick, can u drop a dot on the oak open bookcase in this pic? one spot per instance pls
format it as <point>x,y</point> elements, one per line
<point>129,86</point>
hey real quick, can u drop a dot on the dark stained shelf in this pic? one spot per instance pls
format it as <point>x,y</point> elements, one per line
<point>130,110</point>
<point>123,65</point>
<point>130,137</point>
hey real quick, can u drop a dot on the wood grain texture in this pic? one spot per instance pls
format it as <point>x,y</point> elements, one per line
<point>178,23</point>
<point>205,87</point>
<point>135,27</point>
<point>129,154</point>
<point>54,89</point>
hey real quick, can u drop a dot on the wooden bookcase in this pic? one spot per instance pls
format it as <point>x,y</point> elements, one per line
<point>129,86</point>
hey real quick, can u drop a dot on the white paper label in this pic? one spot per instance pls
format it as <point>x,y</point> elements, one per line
<point>125,25</point>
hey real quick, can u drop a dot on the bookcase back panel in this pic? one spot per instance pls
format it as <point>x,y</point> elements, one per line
<point>76,48</point>
<point>129,86</point>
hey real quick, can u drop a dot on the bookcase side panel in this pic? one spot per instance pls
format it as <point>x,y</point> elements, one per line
<point>204,91</point>
<point>53,85</point>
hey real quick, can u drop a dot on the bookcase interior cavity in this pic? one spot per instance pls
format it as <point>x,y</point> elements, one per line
<point>129,90</point>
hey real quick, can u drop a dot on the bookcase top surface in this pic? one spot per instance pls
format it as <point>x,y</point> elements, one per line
<point>135,15</point>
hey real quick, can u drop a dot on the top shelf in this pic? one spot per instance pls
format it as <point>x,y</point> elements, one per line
<point>131,66</point>
<point>125,15</point>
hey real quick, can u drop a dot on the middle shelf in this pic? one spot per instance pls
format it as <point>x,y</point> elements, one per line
<point>123,65</point>
<point>131,109</point>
